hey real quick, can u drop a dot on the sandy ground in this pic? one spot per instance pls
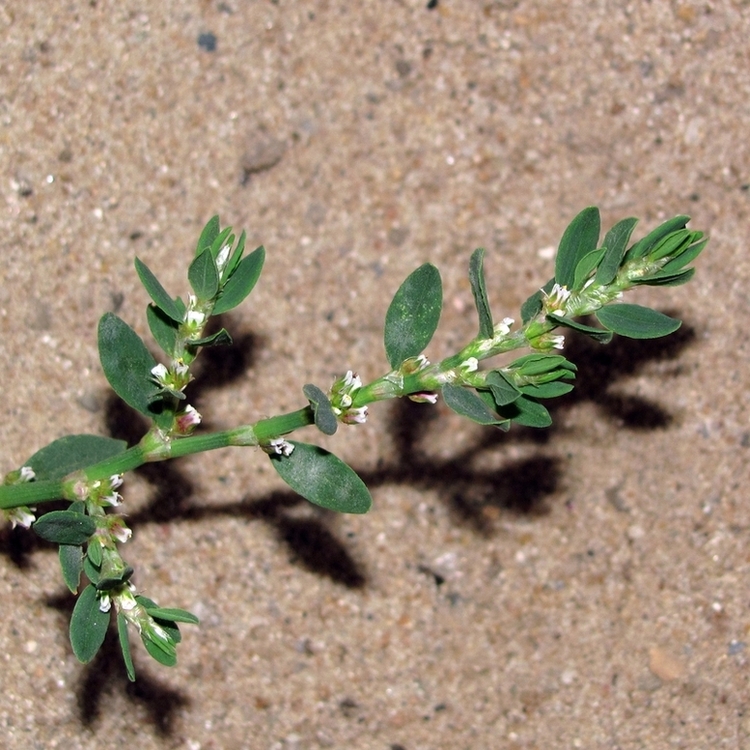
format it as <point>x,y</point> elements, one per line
<point>586,587</point>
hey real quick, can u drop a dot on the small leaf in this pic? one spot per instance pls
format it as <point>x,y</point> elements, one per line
<point>162,652</point>
<point>468,404</point>
<point>323,479</point>
<point>536,364</point>
<point>220,338</point>
<point>644,246</point>
<point>122,632</point>
<point>325,419</point>
<point>503,391</point>
<point>637,322</point>
<point>88,625</point>
<point>413,315</point>
<point>225,237</point>
<point>547,390</point>
<point>603,337</point>
<point>114,578</point>
<point>157,292</point>
<point>580,238</point>
<point>91,570</point>
<point>163,328</point>
<point>687,256</point>
<point>173,614</point>
<point>127,364</point>
<point>479,290</point>
<point>615,241</point>
<point>65,527</point>
<point>586,266</point>
<point>234,259</point>
<point>71,453</point>
<point>527,413</point>
<point>673,244</point>
<point>71,562</point>
<point>241,282</point>
<point>94,552</point>
<point>208,235</point>
<point>533,305</point>
<point>203,276</point>
<point>668,279</point>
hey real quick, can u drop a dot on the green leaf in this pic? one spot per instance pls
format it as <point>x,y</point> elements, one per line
<point>586,266</point>
<point>325,419</point>
<point>114,578</point>
<point>673,244</point>
<point>547,390</point>
<point>603,337</point>
<point>527,412</point>
<point>71,562</point>
<point>241,282</point>
<point>163,328</point>
<point>479,290</point>
<point>234,259</point>
<point>668,279</point>
<point>644,246</point>
<point>637,322</point>
<point>157,292</point>
<point>88,625</point>
<point>615,241</point>
<point>323,479</point>
<point>71,453</point>
<point>413,315</point>
<point>687,256</point>
<point>203,276</point>
<point>94,552</point>
<point>91,570</point>
<point>208,235</point>
<point>536,364</point>
<point>503,391</point>
<point>533,305</point>
<point>220,338</point>
<point>122,632</point>
<point>159,651</point>
<point>127,364</point>
<point>173,614</point>
<point>65,527</point>
<point>468,404</point>
<point>580,238</point>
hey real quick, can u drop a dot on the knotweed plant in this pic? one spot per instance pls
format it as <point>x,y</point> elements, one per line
<point>88,470</point>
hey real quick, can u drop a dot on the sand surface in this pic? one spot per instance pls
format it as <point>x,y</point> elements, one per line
<point>584,587</point>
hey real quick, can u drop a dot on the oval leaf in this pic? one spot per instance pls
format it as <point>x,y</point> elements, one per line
<point>71,562</point>
<point>65,527</point>
<point>527,413</point>
<point>157,292</point>
<point>208,235</point>
<point>579,239</point>
<point>323,479</point>
<point>241,282</point>
<point>637,322</point>
<point>88,625</point>
<point>468,404</point>
<point>413,315</point>
<point>203,276</point>
<point>615,241</point>
<point>173,614</point>
<point>122,632</point>
<point>73,452</point>
<point>479,290</point>
<point>325,419</point>
<point>126,363</point>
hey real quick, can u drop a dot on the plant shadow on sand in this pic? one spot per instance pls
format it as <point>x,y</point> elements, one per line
<point>474,496</point>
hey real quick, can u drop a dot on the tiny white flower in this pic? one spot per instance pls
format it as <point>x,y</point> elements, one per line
<point>345,401</point>
<point>126,600</point>
<point>558,342</point>
<point>222,258</point>
<point>470,365</point>
<point>122,533</point>
<point>181,369</point>
<point>355,416</point>
<point>161,373</point>
<point>557,299</point>
<point>105,603</point>
<point>195,318</point>
<point>503,327</point>
<point>27,474</point>
<point>281,447</point>
<point>113,499</point>
<point>424,397</point>
<point>115,481</point>
<point>21,516</point>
